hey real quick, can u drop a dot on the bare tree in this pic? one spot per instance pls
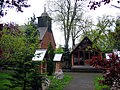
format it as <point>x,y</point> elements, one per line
<point>66,13</point>
<point>81,26</point>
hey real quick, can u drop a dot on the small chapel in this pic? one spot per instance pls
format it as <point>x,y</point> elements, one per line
<point>45,31</point>
<point>46,37</point>
<point>82,54</point>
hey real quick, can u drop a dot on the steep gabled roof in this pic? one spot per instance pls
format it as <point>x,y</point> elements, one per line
<point>42,31</point>
<point>83,44</point>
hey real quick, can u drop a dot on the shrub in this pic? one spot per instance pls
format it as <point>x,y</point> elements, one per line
<point>111,70</point>
<point>98,85</point>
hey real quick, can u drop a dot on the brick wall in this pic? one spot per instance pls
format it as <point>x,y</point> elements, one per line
<point>46,40</point>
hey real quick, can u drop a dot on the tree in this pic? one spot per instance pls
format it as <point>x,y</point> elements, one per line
<point>95,4</point>
<point>80,26</point>
<point>66,12</point>
<point>18,50</point>
<point>21,60</point>
<point>59,50</point>
<point>50,64</point>
<point>8,42</point>
<point>116,34</point>
<point>8,4</point>
<point>101,35</point>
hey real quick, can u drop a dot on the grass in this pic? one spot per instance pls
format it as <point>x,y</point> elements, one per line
<point>99,86</point>
<point>59,84</point>
<point>56,84</point>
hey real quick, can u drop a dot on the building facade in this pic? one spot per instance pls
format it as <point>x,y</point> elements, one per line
<point>45,31</point>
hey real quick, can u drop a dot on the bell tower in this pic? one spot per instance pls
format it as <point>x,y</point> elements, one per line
<point>45,21</point>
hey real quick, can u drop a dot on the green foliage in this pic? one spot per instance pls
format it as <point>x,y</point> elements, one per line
<point>36,77</point>
<point>3,81</point>
<point>59,84</point>
<point>50,63</point>
<point>9,43</point>
<point>17,56</point>
<point>116,34</point>
<point>59,50</point>
<point>67,58</point>
<point>101,35</point>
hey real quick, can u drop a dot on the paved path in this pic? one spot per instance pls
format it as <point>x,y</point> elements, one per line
<point>82,81</point>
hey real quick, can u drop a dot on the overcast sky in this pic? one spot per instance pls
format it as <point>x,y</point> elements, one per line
<point>37,7</point>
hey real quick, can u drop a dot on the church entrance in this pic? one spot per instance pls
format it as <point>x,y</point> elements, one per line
<point>81,57</point>
<point>83,52</point>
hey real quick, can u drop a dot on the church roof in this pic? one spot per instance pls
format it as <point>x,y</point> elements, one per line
<point>42,31</point>
<point>44,14</point>
<point>83,44</point>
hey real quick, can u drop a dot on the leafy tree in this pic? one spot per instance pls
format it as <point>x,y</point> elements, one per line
<point>101,35</point>
<point>8,4</point>
<point>18,50</point>
<point>22,60</point>
<point>116,34</point>
<point>59,50</point>
<point>9,43</point>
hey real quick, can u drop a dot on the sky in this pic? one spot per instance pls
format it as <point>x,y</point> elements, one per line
<point>37,7</point>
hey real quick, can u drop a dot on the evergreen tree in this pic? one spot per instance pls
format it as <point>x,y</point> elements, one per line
<point>23,68</point>
<point>18,52</point>
<point>50,63</point>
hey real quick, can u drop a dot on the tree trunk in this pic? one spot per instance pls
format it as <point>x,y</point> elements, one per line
<point>73,43</point>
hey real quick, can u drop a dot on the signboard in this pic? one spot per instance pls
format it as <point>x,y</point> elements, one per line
<point>39,55</point>
<point>57,57</point>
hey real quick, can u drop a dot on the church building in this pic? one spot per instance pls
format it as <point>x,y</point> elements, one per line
<point>45,31</point>
<point>45,37</point>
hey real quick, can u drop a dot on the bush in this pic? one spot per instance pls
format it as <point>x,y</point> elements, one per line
<point>99,85</point>
<point>111,70</point>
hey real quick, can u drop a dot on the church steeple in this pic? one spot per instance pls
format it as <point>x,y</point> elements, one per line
<point>44,20</point>
<point>45,8</point>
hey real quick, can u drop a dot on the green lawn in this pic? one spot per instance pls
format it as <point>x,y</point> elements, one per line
<point>99,86</point>
<point>59,84</point>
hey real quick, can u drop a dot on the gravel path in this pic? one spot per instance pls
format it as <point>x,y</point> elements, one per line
<point>82,81</point>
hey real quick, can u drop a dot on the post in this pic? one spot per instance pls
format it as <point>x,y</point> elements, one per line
<point>72,59</point>
<point>78,57</point>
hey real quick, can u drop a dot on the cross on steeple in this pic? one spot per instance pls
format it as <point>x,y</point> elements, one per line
<point>45,8</point>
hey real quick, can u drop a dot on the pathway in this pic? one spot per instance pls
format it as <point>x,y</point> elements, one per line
<point>82,81</point>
